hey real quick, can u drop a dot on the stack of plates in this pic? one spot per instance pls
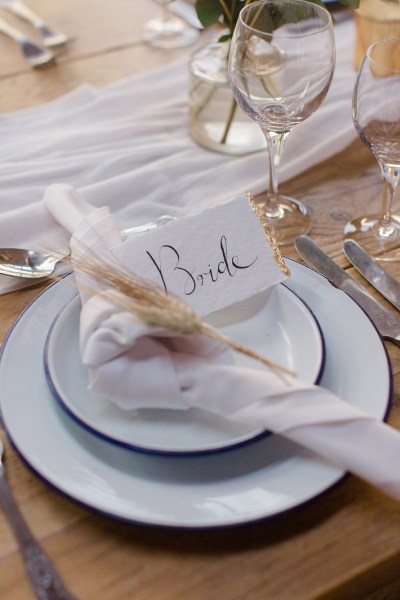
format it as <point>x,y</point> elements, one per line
<point>186,469</point>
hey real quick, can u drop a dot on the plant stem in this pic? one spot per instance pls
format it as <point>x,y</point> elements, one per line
<point>226,10</point>
<point>229,121</point>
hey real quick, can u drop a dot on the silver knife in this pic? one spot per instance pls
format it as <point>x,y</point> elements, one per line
<point>380,279</point>
<point>386,323</point>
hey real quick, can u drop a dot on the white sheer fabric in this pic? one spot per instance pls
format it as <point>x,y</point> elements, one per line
<point>127,146</point>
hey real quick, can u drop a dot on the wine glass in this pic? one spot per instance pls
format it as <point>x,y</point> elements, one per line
<point>376,116</point>
<point>281,63</point>
<point>169,31</point>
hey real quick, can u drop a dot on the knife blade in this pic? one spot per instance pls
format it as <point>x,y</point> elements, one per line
<point>369,268</point>
<point>386,323</point>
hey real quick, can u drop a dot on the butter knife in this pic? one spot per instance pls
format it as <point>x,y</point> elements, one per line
<point>369,268</point>
<point>387,324</point>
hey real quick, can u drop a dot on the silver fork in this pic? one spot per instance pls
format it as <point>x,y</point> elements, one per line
<point>34,54</point>
<point>50,36</point>
<point>45,580</point>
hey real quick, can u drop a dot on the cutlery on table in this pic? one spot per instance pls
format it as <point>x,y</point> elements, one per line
<point>387,324</point>
<point>34,54</point>
<point>44,578</point>
<point>50,36</point>
<point>30,264</point>
<point>369,268</point>
<point>33,264</point>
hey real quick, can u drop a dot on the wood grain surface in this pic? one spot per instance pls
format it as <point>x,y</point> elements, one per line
<point>344,545</point>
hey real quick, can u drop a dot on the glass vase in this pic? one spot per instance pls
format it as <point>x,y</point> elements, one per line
<point>216,120</point>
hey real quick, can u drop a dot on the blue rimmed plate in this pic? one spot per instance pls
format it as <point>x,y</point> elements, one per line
<point>276,323</point>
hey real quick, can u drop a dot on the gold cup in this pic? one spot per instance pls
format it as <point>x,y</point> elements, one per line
<point>375,21</point>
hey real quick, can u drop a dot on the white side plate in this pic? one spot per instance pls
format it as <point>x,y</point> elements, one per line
<point>277,324</point>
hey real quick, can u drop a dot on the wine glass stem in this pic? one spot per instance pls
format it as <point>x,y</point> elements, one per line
<point>275,143</point>
<point>391,176</point>
<point>387,195</point>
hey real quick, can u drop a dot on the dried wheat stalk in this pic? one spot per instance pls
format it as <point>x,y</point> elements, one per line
<point>151,305</point>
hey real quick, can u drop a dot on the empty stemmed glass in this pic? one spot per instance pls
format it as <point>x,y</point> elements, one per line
<point>281,64</point>
<point>169,31</point>
<point>376,115</point>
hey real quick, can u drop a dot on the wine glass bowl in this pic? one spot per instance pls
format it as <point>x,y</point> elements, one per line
<point>281,64</point>
<point>376,117</point>
<point>169,31</point>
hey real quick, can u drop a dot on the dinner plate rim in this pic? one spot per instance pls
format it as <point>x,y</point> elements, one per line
<point>258,434</point>
<point>335,479</point>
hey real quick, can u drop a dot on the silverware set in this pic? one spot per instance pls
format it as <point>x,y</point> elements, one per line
<point>35,54</point>
<point>369,268</point>
<point>387,324</point>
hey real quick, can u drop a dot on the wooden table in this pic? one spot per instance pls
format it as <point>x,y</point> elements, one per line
<point>344,545</point>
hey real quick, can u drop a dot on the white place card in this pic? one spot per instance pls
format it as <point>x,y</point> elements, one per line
<point>211,259</point>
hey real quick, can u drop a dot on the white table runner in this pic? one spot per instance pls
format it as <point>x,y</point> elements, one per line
<point>127,146</point>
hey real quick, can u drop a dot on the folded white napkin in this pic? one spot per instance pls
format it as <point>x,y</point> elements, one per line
<point>127,146</point>
<point>168,370</point>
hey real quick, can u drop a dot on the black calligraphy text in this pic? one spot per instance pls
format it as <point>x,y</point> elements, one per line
<point>228,265</point>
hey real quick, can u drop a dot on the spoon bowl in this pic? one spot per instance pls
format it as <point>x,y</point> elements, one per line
<point>30,264</point>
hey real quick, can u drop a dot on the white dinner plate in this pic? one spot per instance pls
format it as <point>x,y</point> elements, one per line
<point>254,481</point>
<point>276,324</point>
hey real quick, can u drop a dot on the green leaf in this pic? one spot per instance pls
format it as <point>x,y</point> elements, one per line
<point>208,11</point>
<point>225,38</point>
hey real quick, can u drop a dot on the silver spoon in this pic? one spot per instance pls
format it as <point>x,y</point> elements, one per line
<point>44,578</point>
<point>30,264</point>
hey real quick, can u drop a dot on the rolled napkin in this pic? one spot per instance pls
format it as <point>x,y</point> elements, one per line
<point>169,369</point>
